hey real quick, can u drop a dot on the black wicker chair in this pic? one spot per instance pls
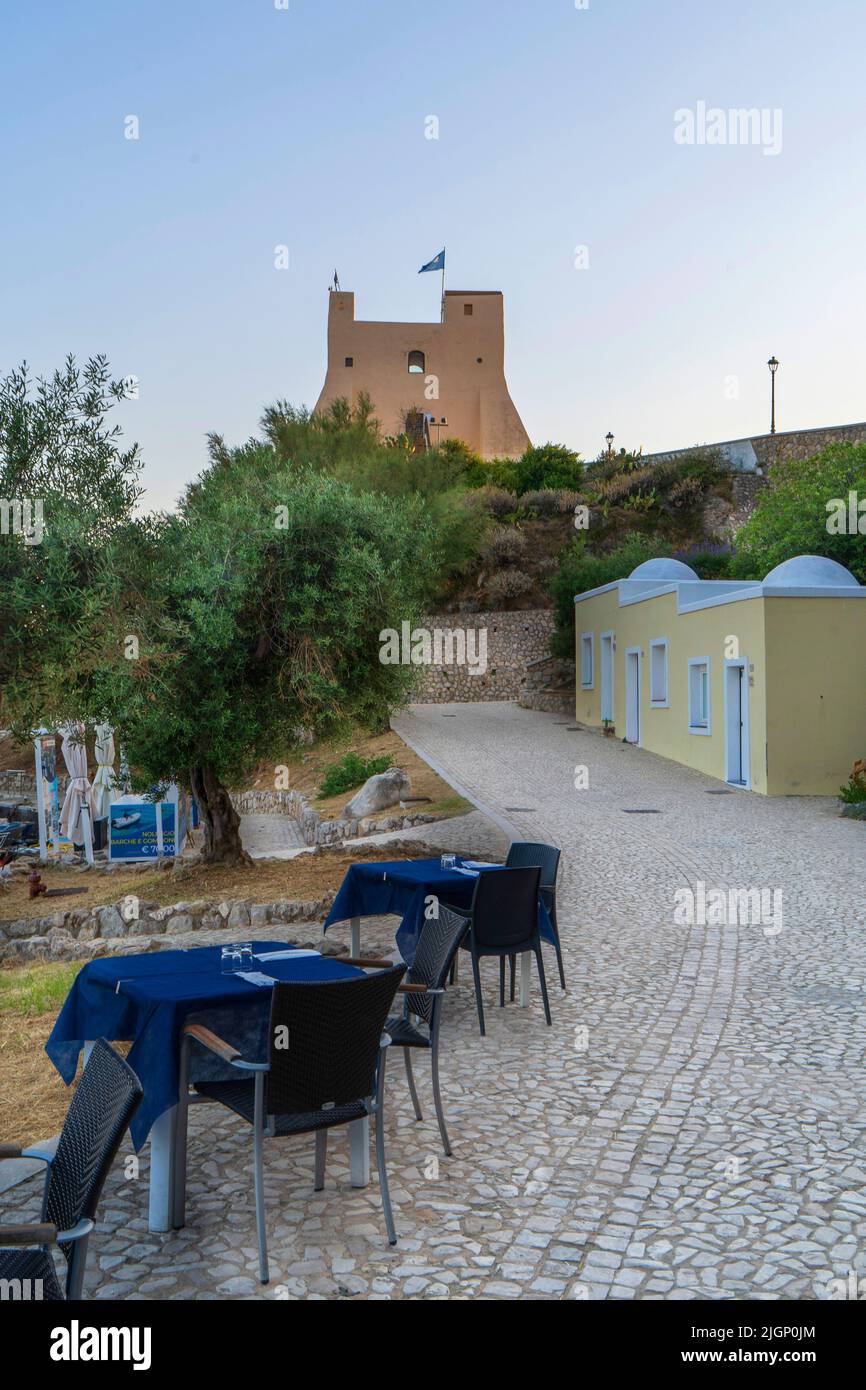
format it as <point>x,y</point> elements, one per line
<point>325,1067</point>
<point>423,991</point>
<point>524,854</point>
<point>105,1100</point>
<point>503,922</point>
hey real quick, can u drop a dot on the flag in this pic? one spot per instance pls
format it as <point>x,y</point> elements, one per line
<point>437,263</point>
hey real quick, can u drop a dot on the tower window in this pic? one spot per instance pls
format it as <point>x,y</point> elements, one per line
<point>417,362</point>
<point>350,361</point>
<point>468,310</point>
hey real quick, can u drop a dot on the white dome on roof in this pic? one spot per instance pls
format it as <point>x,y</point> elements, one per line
<point>663,571</point>
<point>810,572</point>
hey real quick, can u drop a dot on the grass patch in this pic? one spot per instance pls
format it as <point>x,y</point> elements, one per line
<point>33,1098</point>
<point>37,989</point>
<point>352,771</point>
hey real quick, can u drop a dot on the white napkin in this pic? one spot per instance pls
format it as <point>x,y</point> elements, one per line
<point>480,864</point>
<point>470,873</point>
<point>293,954</point>
<point>255,977</point>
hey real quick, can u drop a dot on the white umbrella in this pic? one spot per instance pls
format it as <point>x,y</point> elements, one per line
<point>103,782</point>
<point>78,795</point>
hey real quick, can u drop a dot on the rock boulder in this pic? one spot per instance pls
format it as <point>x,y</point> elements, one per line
<point>378,793</point>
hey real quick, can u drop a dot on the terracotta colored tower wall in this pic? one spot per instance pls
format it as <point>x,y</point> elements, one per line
<point>463,379</point>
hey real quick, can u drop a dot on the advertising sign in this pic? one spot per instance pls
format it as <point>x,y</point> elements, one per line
<point>141,829</point>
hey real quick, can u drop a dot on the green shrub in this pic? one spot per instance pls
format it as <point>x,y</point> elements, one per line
<point>792,515</point>
<point>579,571</point>
<point>499,473</point>
<point>680,484</point>
<point>549,466</point>
<point>854,791</point>
<point>352,771</point>
<point>709,561</point>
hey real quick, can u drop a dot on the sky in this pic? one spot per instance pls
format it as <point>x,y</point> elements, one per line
<point>304,123</point>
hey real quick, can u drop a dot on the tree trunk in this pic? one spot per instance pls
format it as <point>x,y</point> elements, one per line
<point>220,820</point>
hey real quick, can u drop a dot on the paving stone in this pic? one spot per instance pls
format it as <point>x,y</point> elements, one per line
<point>705,1140</point>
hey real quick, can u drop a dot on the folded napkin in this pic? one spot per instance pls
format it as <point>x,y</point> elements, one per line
<point>480,864</point>
<point>255,977</point>
<point>470,873</point>
<point>292,954</point>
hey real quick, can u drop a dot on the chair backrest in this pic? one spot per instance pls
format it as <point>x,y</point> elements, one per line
<point>437,946</point>
<point>105,1100</point>
<point>324,1041</point>
<point>505,906</point>
<point>524,854</point>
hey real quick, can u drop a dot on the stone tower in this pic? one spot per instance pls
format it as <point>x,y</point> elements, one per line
<point>453,371</point>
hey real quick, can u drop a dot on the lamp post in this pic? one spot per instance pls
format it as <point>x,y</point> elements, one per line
<point>609,438</point>
<point>774,366</point>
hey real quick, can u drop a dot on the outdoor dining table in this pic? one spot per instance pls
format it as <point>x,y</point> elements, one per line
<point>409,888</point>
<point>146,1000</point>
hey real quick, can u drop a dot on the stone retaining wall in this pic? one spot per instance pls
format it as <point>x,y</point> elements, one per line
<point>84,932</point>
<point>548,686</point>
<point>513,640</point>
<point>314,828</point>
<point>759,451</point>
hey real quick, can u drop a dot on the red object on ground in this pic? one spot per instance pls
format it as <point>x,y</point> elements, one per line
<point>36,885</point>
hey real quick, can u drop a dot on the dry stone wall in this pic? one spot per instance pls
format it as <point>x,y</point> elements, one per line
<point>513,640</point>
<point>314,828</point>
<point>133,924</point>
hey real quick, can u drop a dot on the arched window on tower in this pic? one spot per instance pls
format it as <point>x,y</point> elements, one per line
<point>416,362</point>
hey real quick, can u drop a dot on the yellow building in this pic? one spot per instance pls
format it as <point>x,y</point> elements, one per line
<point>453,372</point>
<point>761,684</point>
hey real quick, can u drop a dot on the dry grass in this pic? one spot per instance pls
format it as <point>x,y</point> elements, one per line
<point>307,769</point>
<point>305,877</point>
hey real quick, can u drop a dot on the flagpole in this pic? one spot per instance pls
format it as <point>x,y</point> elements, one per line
<point>442,310</point>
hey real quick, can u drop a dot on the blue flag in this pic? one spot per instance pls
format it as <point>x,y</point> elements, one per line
<point>437,263</point>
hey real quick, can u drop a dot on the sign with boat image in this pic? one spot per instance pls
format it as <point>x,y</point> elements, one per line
<point>141,829</point>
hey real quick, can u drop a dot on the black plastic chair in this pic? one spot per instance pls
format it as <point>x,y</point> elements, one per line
<point>423,990</point>
<point>325,1067</point>
<point>105,1100</point>
<point>503,922</point>
<point>524,854</point>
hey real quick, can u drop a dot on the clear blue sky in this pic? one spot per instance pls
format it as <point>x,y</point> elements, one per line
<point>261,126</point>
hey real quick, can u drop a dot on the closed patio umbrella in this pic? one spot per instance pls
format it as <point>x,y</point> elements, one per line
<point>103,782</point>
<point>79,796</point>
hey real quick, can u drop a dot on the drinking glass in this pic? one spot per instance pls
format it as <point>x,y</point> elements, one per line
<point>230,959</point>
<point>245,949</point>
<point>448,861</point>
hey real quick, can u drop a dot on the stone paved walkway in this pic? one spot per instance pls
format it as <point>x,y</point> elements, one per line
<point>271,836</point>
<point>693,1124</point>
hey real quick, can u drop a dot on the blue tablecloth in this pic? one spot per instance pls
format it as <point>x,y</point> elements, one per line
<point>147,999</point>
<point>401,887</point>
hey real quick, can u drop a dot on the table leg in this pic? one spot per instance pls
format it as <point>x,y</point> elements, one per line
<point>359,1152</point>
<point>162,1139</point>
<point>525,974</point>
<point>355,938</point>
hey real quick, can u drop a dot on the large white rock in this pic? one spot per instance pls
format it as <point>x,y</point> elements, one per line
<point>379,792</point>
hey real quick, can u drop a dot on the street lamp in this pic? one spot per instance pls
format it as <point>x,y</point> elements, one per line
<point>609,438</point>
<point>774,366</point>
